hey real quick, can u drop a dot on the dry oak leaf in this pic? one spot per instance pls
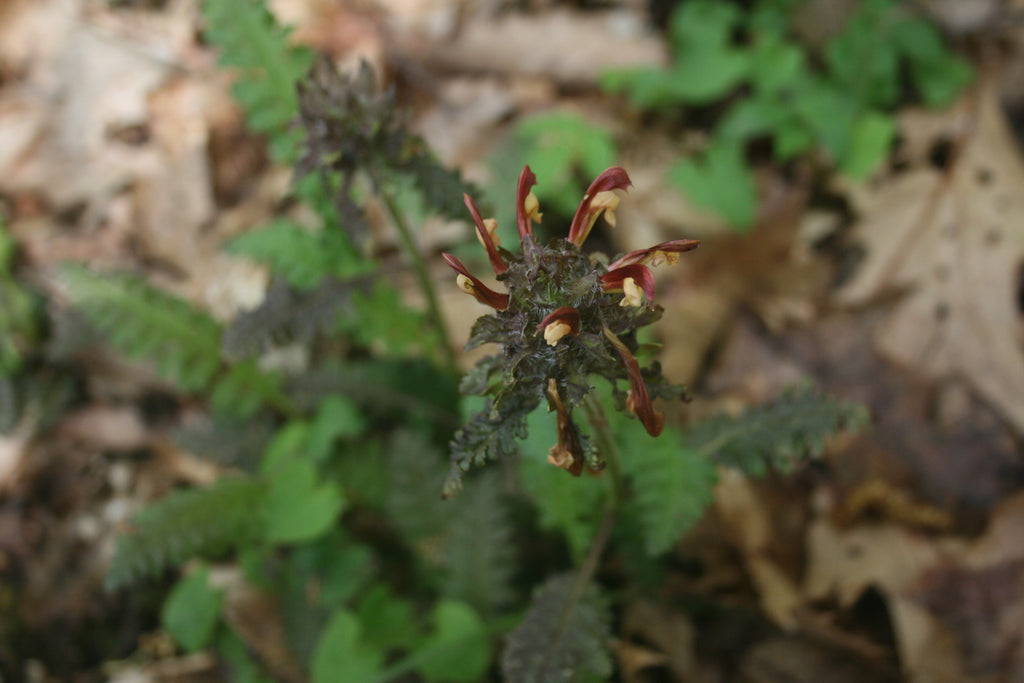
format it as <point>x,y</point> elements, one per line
<point>953,241</point>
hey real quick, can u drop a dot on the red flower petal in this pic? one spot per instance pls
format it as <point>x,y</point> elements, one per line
<point>472,285</point>
<point>614,178</point>
<point>647,255</point>
<point>561,322</point>
<point>642,276</point>
<point>497,263</point>
<point>526,180</point>
<point>639,399</point>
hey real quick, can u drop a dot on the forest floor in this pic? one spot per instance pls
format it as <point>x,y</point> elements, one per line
<point>900,556</point>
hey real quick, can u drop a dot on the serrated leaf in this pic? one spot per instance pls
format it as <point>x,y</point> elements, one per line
<point>562,636</point>
<point>191,611</point>
<point>244,389</point>
<point>416,472</point>
<point>302,257</point>
<point>342,654</point>
<point>671,485</point>
<point>289,316</point>
<point>483,438</point>
<point>143,322</point>
<point>479,554</point>
<point>191,523</point>
<point>297,508</point>
<point>269,66</point>
<point>778,434</point>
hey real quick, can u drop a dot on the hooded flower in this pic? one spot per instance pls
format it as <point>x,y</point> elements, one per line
<point>562,318</point>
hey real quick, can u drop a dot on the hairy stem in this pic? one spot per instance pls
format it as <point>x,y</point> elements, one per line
<point>422,275</point>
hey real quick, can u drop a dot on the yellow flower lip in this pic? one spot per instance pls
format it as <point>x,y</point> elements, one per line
<point>555,331</point>
<point>559,323</point>
<point>632,294</point>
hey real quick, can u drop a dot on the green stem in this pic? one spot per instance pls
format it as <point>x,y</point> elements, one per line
<point>609,452</point>
<point>422,275</point>
<point>606,446</point>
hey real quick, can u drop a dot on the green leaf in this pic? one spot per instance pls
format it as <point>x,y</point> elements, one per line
<point>342,654</point>
<point>381,319</point>
<point>863,60</point>
<point>458,651</point>
<point>671,484</point>
<point>416,472</point>
<point>776,435</point>
<point>244,389</point>
<point>301,256</point>
<point>268,67</point>
<point>347,569</point>
<point>707,65</point>
<point>241,663</point>
<point>870,141</point>
<point>479,553</point>
<point>296,508</point>
<point>185,524</point>
<point>829,112</point>
<point>290,440</point>
<point>791,138</point>
<point>388,621</point>
<point>776,65</point>
<point>182,342</point>
<point>191,611</point>
<point>938,74</point>
<point>562,637</point>
<point>720,180</point>
<point>752,117</point>
<point>338,417</point>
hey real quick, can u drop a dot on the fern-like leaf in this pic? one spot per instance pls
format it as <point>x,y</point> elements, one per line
<point>414,389</point>
<point>182,342</point>
<point>479,554</point>
<point>671,485</point>
<point>287,316</point>
<point>268,66</point>
<point>777,435</point>
<point>416,471</point>
<point>195,522</point>
<point>302,257</point>
<point>485,437</point>
<point>564,634</point>
<point>245,388</point>
<point>225,440</point>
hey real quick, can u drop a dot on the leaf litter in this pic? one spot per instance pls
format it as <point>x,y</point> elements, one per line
<point>116,170</point>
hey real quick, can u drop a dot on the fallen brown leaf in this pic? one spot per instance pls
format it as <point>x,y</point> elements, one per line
<point>952,241</point>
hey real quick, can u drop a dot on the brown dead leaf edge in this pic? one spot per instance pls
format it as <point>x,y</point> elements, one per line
<point>953,240</point>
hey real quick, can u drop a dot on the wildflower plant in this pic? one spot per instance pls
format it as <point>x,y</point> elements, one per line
<point>566,315</point>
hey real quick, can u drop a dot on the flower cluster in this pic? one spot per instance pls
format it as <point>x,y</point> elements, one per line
<point>564,317</point>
